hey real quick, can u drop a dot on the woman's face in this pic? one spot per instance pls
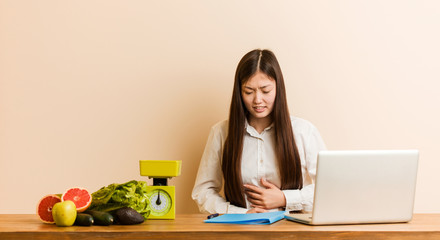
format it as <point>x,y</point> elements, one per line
<point>258,95</point>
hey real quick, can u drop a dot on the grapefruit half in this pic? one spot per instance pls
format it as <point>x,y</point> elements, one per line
<point>44,207</point>
<point>80,196</point>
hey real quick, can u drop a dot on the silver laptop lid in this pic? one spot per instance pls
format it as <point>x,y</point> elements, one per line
<point>366,186</point>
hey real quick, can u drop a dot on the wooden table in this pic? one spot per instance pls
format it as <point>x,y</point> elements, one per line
<point>191,226</point>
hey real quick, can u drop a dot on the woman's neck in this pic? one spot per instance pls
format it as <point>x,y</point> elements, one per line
<point>260,123</point>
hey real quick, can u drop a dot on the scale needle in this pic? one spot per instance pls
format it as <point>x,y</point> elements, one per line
<point>158,202</point>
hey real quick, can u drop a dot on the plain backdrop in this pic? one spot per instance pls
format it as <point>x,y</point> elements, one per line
<point>89,88</point>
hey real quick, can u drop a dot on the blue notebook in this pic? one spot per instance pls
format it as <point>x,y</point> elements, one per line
<point>251,218</point>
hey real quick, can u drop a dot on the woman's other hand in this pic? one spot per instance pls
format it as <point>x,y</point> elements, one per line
<point>256,210</point>
<point>268,197</point>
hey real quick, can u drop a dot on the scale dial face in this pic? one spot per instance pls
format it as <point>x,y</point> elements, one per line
<point>160,202</point>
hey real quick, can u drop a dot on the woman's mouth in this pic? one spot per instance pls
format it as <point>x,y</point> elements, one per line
<point>259,109</point>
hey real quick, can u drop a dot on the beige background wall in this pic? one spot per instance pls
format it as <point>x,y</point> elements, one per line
<point>87,88</point>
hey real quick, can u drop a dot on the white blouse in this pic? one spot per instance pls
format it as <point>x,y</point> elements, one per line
<point>258,161</point>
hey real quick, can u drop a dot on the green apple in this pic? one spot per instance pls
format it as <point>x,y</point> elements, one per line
<point>64,213</point>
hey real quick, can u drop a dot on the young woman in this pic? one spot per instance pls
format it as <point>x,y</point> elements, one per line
<point>261,159</point>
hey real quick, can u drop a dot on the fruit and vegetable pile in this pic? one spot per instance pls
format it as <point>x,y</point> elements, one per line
<point>125,203</point>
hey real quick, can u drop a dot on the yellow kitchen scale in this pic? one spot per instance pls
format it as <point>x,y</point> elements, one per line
<point>162,197</point>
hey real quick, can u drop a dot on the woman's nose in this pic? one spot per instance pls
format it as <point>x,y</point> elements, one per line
<point>258,98</point>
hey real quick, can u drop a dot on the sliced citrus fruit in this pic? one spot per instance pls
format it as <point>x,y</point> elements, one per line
<point>80,196</point>
<point>44,207</point>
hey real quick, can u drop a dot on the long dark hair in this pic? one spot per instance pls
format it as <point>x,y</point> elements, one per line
<point>285,148</point>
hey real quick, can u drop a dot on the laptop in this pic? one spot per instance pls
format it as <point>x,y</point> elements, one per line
<point>363,186</point>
